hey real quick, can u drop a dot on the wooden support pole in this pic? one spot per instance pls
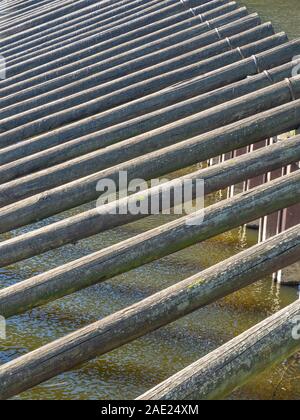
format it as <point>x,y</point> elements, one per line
<point>42,17</point>
<point>152,165</point>
<point>73,36</point>
<point>132,39</point>
<point>154,53</point>
<point>163,108</point>
<point>48,60</point>
<point>29,14</point>
<point>32,14</point>
<point>282,220</point>
<point>162,137</point>
<point>160,63</point>
<point>135,85</point>
<point>229,367</point>
<point>154,312</point>
<point>53,25</point>
<point>74,32</point>
<point>99,220</point>
<point>150,246</point>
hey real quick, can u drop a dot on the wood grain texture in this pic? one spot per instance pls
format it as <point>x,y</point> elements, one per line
<point>153,313</point>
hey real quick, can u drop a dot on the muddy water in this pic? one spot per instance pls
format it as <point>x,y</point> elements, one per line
<point>129,371</point>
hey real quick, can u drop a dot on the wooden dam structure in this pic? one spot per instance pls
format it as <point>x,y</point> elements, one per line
<point>92,88</point>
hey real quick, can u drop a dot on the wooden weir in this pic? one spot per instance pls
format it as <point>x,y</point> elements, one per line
<point>93,88</point>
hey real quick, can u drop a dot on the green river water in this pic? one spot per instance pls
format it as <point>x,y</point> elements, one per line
<point>131,370</point>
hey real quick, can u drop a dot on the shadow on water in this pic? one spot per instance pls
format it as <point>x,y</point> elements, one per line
<point>129,371</point>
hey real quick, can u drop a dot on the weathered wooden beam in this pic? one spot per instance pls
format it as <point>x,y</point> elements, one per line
<point>232,365</point>
<point>47,28</point>
<point>123,53</point>
<point>162,137</point>
<point>130,40</point>
<point>47,61</point>
<point>9,11</point>
<point>73,36</point>
<point>150,246</point>
<point>17,16</point>
<point>76,31</point>
<point>98,220</point>
<point>158,310</point>
<point>157,78</point>
<point>42,17</point>
<point>153,165</point>
<point>162,107</point>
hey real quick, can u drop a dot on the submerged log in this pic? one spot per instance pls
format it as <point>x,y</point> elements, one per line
<point>158,310</point>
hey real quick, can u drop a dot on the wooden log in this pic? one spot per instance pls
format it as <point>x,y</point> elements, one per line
<point>42,17</point>
<point>153,165</point>
<point>150,314</point>
<point>169,59</point>
<point>232,365</point>
<point>75,32</point>
<point>162,137</point>
<point>150,246</point>
<point>99,220</point>
<point>18,17</point>
<point>74,26</point>
<point>43,40</point>
<point>108,32</point>
<point>9,10</point>
<point>49,27</point>
<point>124,53</point>
<point>75,35</point>
<point>177,70</point>
<point>161,105</point>
<point>139,36</point>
